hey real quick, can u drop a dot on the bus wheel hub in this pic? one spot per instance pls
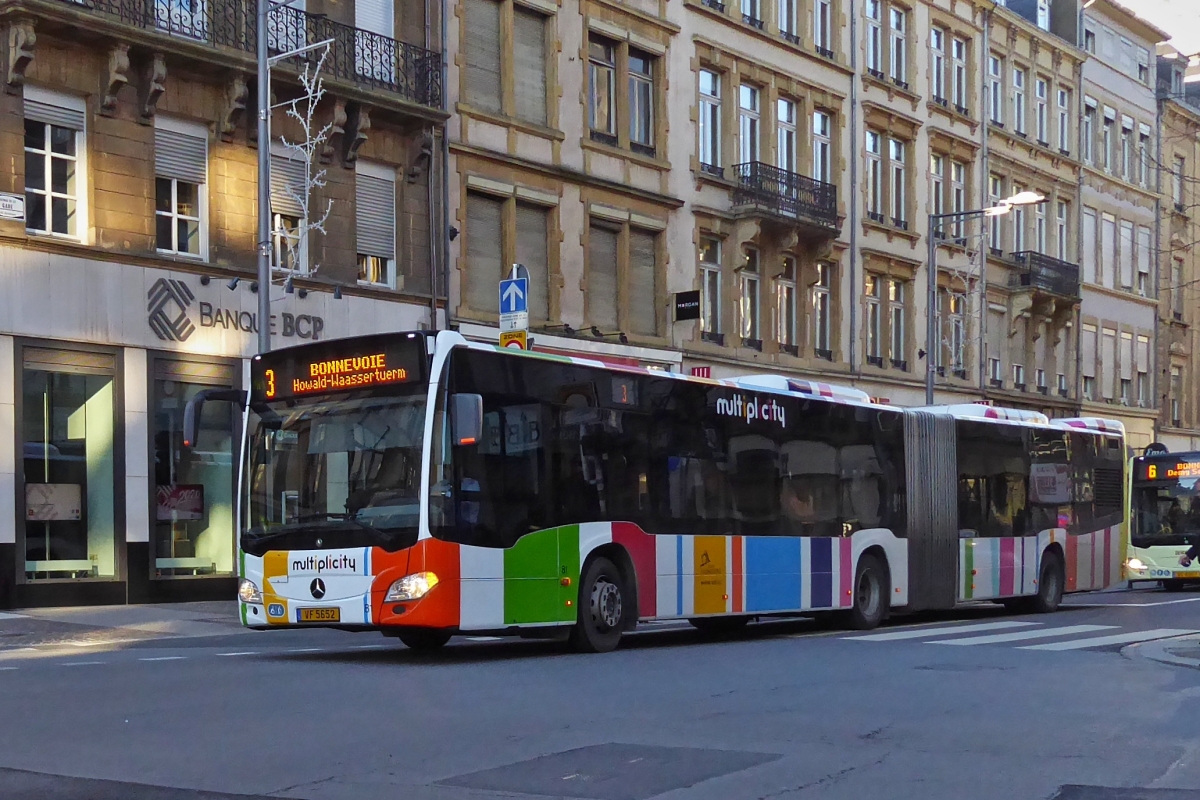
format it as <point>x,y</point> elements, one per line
<point>606,604</point>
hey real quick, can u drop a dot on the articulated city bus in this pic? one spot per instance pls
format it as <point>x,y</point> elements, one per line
<point>424,486</point>
<point>1164,517</point>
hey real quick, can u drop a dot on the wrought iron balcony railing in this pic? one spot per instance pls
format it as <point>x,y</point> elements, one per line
<point>1040,271</point>
<point>367,59</point>
<point>785,193</point>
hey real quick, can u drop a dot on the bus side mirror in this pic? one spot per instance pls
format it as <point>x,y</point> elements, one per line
<point>195,406</point>
<point>466,418</point>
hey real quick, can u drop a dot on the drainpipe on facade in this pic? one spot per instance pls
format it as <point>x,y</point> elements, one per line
<point>1159,417</point>
<point>434,255</point>
<point>984,181</point>
<point>1079,95</point>
<point>852,348</point>
<point>445,175</point>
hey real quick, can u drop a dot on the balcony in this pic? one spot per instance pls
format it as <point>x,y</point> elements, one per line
<point>225,31</point>
<point>1045,274</point>
<point>766,190</point>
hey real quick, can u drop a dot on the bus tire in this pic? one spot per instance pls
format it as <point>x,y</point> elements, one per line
<point>1173,585</point>
<point>423,639</point>
<point>719,626</point>
<point>602,606</point>
<point>870,594</point>
<point>1051,582</point>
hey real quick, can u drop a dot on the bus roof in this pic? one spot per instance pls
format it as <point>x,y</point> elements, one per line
<point>980,411</point>
<point>782,383</point>
<point>1097,424</point>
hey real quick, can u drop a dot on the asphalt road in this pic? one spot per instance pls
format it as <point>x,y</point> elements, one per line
<point>975,704</point>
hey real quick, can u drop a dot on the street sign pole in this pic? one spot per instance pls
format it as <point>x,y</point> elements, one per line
<point>514,308</point>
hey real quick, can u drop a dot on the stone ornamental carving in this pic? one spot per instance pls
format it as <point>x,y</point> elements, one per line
<point>356,136</point>
<point>118,77</point>
<point>337,127</point>
<point>154,84</point>
<point>21,41</point>
<point>236,93</point>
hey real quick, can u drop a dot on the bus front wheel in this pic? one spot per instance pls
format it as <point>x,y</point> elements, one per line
<point>423,638</point>
<point>602,609</point>
<point>1173,585</point>
<point>1050,585</point>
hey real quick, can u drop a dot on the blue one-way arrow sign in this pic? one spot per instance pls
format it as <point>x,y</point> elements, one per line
<point>514,296</point>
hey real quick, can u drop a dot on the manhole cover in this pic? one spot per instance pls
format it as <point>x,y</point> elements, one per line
<point>612,771</point>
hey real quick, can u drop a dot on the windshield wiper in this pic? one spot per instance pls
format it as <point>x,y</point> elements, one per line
<point>290,527</point>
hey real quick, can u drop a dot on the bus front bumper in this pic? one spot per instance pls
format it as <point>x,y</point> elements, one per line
<point>1160,564</point>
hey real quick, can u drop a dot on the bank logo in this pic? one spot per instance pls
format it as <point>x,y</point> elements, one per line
<point>167,304</point>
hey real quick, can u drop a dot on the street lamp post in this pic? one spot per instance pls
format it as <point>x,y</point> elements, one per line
<point>931,320</point>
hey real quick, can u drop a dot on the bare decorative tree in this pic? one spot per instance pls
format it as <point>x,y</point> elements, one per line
<point>963,302</point>
<point>307,150</point>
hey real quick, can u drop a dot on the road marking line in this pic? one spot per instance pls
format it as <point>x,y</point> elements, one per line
<point>483,638</point>
<point>946,630</point>
<point>306,649</point>
<point>81,663</point>
<point>243,653</point>
<point>1043,633</point>
<point>1116,638</point>
<point>91,644</point>
<point>164,658</point>
<point>6,615</point>
<point>1131,605</point>
<point>8,669</point>
<point>369,646</point>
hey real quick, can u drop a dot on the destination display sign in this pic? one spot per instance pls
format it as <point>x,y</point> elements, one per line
<point>339,366</point>
<point>1169,470</point>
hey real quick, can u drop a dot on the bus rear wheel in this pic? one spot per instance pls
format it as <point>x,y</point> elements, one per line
<point>1173,585</point>
<point>870,594</point>
<point>424,639</point>
<point>602,609</point>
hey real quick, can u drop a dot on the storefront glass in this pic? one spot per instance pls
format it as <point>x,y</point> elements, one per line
<point>193,487</point>
<point>68,435</point>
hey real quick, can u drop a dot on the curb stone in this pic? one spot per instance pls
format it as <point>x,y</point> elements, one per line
<point>1160,651</point>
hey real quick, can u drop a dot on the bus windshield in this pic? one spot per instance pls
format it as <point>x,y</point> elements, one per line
<point>341,471</point>
<point>1166,514</point>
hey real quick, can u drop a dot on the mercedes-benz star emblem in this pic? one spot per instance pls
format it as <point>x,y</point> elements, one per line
<point>317,587</point>
<point>320,542</point>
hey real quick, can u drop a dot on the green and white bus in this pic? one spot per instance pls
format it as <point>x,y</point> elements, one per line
<point>1164,518</point>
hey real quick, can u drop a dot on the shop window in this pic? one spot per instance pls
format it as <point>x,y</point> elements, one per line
<point>193,487</point>
<point>68,433</point>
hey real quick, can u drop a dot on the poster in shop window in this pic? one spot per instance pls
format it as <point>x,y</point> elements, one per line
<point>51,502</point>
<point>180,502</point>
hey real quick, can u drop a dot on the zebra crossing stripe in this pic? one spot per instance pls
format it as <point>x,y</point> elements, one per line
<point>1044,633</point>
<point>1116,638</point>
<point>924,633</point>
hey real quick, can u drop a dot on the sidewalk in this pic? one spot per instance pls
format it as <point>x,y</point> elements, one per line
<point>1183,652</point>
<point>92,625</point>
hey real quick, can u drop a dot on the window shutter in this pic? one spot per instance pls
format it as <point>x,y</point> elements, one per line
<point>178,155</point>
<point>532,251</point>
<point>484,227</point>
<point>168,369</point>
<point>1143,353</point>
<point>1108,361</point>
<point>1126,356</point>
<point>1089,246</point>
<point>375,216</point>
<point>602,277</point>
<point>997,334</point>
<point>529,60</point>
<point>483,55</point>
<point>643,283</point>
<point>376,16</point>
<point>1143,249</point>
<point>287,179</point>
<point>1108,250</point>
<point>55,115</point>
<point>1088,347</point>
<point>1126,254</point>
<point>82,362</point>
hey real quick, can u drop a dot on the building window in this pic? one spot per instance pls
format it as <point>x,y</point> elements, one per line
<point>1143,371</point>
<point>1125,255</point>
<point>954,333</point>
<point>1018,371</point>
<point>996,89</point>
<point>287,245</point>
<point>1041,96</point>
<point>1064,120</point>
<point>1089,134</point>
<point>1106,143</point>
<point>70,425</point>
<point>1177,179</point>
<point>995,194</point>
<point>1040,376</point>
<point>874,194</point>
<point>1018,217</point>
<point>898,182</point>
<point>937,186</point>
<point>498,232</point>
<point>710,121</point>
<point>897,346</point>
<point>375,222</point>
<point>603,275</point>
<point>874,37</point>
<point>822,27</point>
<point>750,299</point>
<point>787,21</point>
<point>1063,390</point>
<point>785,306</point>
<point>785,138</point>
<point>1089,41</point>
<point>1176,397</point>
<point>710,287</point>
<point>822,322</point>
<point>958,194</point>
<point>751,14</point>
<point>1060,233</point>
<point>1018,78</point>
<point>874,297</point>
<point>289,240</point>
<point>1144,154</point>
<point>748,122</point>
<point>181,175</point>
<point>1127,148</point>
<point>937,70</point>
<point>1142,255</point>
<point>958,75</point>
<point>54,176</point>
<point>994,372</point>
<point>822,144</point>
<point>602,100</point>
<point>899,59</point>
<point>616,300</point>
<point>194,486</point>
<point>1039,227</point>
<point>641,102</point>
<point>1178,289</point>
<point>489,59</point>
<point>1108,250</point>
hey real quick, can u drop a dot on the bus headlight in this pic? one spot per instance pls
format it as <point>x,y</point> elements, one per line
<point>248,592</point>
<point>411,587</point>
<point>1136,565</point>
